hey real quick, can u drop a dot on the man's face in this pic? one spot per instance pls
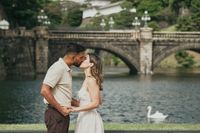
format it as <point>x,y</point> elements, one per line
<point>79,58</point>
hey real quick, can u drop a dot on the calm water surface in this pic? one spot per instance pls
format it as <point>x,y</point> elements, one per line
<point>125,99</point>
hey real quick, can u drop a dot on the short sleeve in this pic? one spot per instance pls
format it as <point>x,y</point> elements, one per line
<point>53,76</point>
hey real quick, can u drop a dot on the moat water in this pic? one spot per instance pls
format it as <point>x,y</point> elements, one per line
<point>125,99</point>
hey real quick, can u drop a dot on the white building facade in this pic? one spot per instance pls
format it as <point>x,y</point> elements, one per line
<point>101,7</point>
<point>102,10</point>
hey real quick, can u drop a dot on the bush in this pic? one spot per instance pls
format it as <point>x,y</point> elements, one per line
<point>154,25</point>
<point>184,59</point>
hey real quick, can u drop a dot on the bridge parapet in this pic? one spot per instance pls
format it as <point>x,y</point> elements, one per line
<point>16,33</point>
<point>94,35</point>
<point>176,36</point>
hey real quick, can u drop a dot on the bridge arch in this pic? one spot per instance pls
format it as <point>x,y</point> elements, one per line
<point>169,51</point>
<point>125,56</point>
<point>131,63</point>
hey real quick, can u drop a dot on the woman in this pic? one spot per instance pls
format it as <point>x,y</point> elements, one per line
<point>89,121</point>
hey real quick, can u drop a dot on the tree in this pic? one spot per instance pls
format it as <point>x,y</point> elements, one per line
<point>189,23</point>
<point>123,19</point>
<point>74,17</point>
<point>177,5</point>
<point>165,3</point>
<point>151,5</point>
<point>23,12</point>
<point>183,24</point>
<point>192,22</point>
<point>54,13</point>
<point>195,4</point>
<point>126,5</point>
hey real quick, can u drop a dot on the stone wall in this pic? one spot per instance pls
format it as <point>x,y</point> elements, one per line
<point>17,58</point>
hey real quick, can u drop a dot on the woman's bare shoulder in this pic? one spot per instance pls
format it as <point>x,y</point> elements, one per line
<point>91,80</point>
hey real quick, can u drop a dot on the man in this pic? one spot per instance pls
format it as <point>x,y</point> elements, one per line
<point>57,90</point>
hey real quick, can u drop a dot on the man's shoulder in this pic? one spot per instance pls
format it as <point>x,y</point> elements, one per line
<point>56,65</point>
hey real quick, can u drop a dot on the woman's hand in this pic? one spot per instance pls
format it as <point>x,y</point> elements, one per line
<point>65,110</point>
<point>74,109</point>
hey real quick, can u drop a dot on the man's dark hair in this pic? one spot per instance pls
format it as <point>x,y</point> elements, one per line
<point>72,48</point>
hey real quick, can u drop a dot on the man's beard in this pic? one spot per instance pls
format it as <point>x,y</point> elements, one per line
<point>77,64</point>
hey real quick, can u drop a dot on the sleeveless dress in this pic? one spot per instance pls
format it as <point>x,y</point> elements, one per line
<point>88,121</point>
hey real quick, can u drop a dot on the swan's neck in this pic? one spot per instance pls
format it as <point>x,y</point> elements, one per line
<point>149,112</point>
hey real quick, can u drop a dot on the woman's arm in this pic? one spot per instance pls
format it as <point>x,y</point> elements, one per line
<point>94,92</point>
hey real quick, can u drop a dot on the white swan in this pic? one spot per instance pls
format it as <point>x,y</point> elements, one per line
<point>156,116</point>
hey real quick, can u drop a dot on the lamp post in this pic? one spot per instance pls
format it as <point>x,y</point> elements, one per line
<point>63,5</point>
<point>4,25</point>
<point>43,18</point>
<point>136,23</point>
<point>111,22</point>
<point>146,18</point>
<point>103,24</point>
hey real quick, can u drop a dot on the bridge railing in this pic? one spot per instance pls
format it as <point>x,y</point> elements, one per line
<point>176,35</point>
<point>94,35</point>
<point>16,33</point>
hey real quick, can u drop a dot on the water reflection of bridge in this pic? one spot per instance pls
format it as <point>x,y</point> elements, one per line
<point>140,50</point>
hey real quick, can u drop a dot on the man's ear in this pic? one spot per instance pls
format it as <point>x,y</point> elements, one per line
<point>73,56</point>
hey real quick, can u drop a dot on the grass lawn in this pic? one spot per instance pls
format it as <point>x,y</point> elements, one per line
<point>109,126</point>
<point>169,29</point>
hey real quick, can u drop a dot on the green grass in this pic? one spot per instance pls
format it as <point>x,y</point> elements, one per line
<point>169,29</point>
<point>152,126</point>
<point>109,126</point>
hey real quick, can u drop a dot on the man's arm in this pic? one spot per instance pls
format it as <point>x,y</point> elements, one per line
<point>94,92</point>
<point>75,102</point>
<point>46,93</point>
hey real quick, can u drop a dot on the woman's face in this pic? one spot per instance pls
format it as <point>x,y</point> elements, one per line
<point>86,63</point>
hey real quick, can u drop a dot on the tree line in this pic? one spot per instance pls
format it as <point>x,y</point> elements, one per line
<point>185,14</point>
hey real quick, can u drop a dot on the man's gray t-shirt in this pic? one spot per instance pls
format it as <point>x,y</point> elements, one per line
<point>59,78</point>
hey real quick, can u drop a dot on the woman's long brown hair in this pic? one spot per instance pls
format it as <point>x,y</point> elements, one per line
<point>96,69</point>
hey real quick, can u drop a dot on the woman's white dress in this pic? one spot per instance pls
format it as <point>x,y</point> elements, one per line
<point>88,121</point>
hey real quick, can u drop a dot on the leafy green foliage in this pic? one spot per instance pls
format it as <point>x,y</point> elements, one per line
<point>184,59</point>
<point>115,60</point>
<point>166,15</point>
<point>154,25</point>
<point>22,12</point>
<point>115,1</point>
<point>124,19</point>
<point>177,4</point>
<point>184,24</point>
<point>126,5</point>
<point>189,23</point>
<point>151,5</point>
<point>53,12</point>
<point>195,4</point>
<point>25,12</point>
<point>74,17</point>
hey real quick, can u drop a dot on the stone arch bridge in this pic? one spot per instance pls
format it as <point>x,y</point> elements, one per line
<point>141,50</point>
